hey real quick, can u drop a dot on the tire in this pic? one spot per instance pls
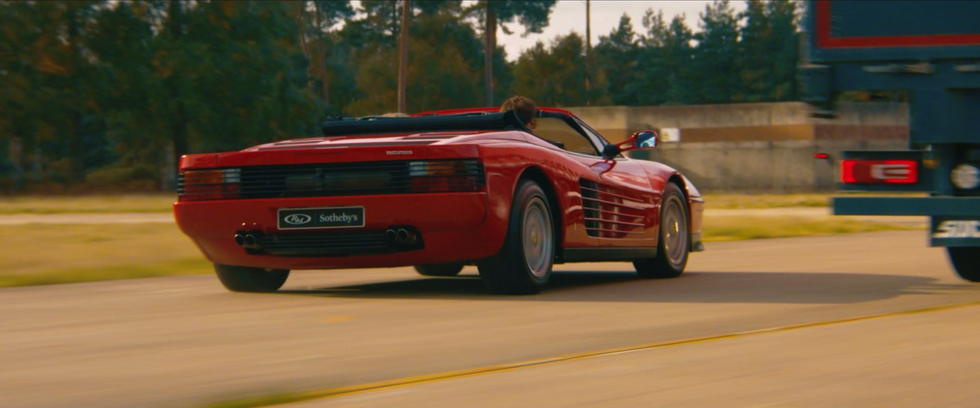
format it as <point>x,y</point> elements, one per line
<point>523,265</point>
<point>966,262</point>
<point>674,243</point>
<point>450,269</point>
<point>246,279</point>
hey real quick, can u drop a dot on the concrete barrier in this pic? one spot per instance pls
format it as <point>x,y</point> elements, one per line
<point>771,167</point>
<point>757,147</point>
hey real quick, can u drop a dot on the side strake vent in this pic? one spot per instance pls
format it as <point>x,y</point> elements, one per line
<point>337,179</point>
<point>611,212</point>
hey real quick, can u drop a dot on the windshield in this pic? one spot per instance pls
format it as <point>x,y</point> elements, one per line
<point>573,135</point>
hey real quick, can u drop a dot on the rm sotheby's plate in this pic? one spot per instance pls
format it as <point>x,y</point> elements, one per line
<point>327,217</point>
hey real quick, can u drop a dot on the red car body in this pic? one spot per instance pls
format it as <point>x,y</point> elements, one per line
<point>604,208</point>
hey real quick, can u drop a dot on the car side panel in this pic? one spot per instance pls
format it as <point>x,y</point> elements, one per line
<point>625,193</point>
<point>659,174</point>
<point>504,164</point>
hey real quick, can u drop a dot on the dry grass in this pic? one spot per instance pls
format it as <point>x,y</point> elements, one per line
<point>741,228</point>
<point>129,203</point>
<point>747,201</point>
<point>46,253</point>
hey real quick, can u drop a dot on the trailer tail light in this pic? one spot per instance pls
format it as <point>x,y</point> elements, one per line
<point>199,185</point>
<point>879,171</point>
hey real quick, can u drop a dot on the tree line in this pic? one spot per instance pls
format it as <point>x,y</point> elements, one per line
<point>103,93</point>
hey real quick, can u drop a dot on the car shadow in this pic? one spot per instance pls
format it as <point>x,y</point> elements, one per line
<point>692,287</point>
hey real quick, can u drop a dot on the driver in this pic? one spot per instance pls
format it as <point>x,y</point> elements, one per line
<point>525,109</point>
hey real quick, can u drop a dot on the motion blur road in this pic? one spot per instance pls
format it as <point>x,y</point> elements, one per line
<point>181,342</point>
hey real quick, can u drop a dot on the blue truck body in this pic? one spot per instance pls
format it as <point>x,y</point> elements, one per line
<point>931,50</point>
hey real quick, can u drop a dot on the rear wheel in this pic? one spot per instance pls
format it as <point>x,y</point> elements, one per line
<point>523,265</point>
<point>247,279</point>
<point>450,269</point>
<point>966,262</point>
<point>674,244</point>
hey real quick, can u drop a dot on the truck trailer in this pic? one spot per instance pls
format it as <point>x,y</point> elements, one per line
<point>930,50</point>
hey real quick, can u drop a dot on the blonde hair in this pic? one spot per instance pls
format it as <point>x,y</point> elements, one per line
<point>395,115</point>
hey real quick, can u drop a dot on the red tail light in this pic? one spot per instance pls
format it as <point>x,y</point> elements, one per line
<point>445,176</point>
<point>198,185</point>
<point>879,171</point>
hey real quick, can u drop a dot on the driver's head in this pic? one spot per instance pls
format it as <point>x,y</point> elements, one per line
<point>524,108</point>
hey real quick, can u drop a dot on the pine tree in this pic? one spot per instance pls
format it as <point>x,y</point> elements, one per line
<point>768,50</point>
<point>714,69</point>
<point>616,60</point>
<point>533,15</point>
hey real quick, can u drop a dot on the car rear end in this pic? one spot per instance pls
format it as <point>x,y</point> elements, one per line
<point>328,205</point>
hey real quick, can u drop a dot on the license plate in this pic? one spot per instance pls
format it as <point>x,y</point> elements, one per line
<point>315,218</point>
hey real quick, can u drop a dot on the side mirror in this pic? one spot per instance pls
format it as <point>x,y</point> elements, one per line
<point>643,139</point>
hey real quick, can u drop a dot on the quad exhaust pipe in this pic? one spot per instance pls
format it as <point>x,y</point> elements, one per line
<point>394,235</point>
<point>247,239</point>
<point>401,236</point>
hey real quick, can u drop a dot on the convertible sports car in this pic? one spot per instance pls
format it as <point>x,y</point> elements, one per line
<point>438,191</point>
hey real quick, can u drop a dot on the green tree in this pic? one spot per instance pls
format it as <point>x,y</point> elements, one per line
<point>714,68</point>
<point>617,60</point>
<point>317,19</point>
<point>664,77</point>
<point>768,50</point>
<point>131,94</point>
<point>555,76</point>
<point>48,83</point>
<point>104,85</point>
<point>443,66</point>
<point>248,75</point>
<point>533,15</point>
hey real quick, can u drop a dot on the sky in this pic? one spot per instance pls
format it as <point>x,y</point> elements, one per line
<point>569,15</point>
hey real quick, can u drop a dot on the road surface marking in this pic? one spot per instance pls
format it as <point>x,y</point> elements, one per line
<point>449,375</point>
<point>338,319</point>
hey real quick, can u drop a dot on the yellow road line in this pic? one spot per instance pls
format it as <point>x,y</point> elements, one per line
<point>337,319</point>
<point>421,379</point>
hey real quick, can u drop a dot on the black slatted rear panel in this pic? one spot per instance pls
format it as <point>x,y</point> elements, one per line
<point>361,178</point>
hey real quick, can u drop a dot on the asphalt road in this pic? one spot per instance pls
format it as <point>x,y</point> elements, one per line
<point>180,342</point>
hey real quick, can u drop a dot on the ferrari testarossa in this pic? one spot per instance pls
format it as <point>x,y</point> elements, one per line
<point>438,191</point>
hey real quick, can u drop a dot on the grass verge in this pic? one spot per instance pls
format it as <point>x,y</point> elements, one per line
<point>190,266</point>
<point>127,203</point>
<point>746,201</point>
<point>720,229</point>
<point>43,254</point>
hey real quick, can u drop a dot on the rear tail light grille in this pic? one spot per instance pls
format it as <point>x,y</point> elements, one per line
<point>341,179</point>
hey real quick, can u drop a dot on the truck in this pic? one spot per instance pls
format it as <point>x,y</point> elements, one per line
<point>931,51</point>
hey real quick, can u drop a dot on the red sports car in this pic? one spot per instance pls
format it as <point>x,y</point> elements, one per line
<point>438,191</point>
